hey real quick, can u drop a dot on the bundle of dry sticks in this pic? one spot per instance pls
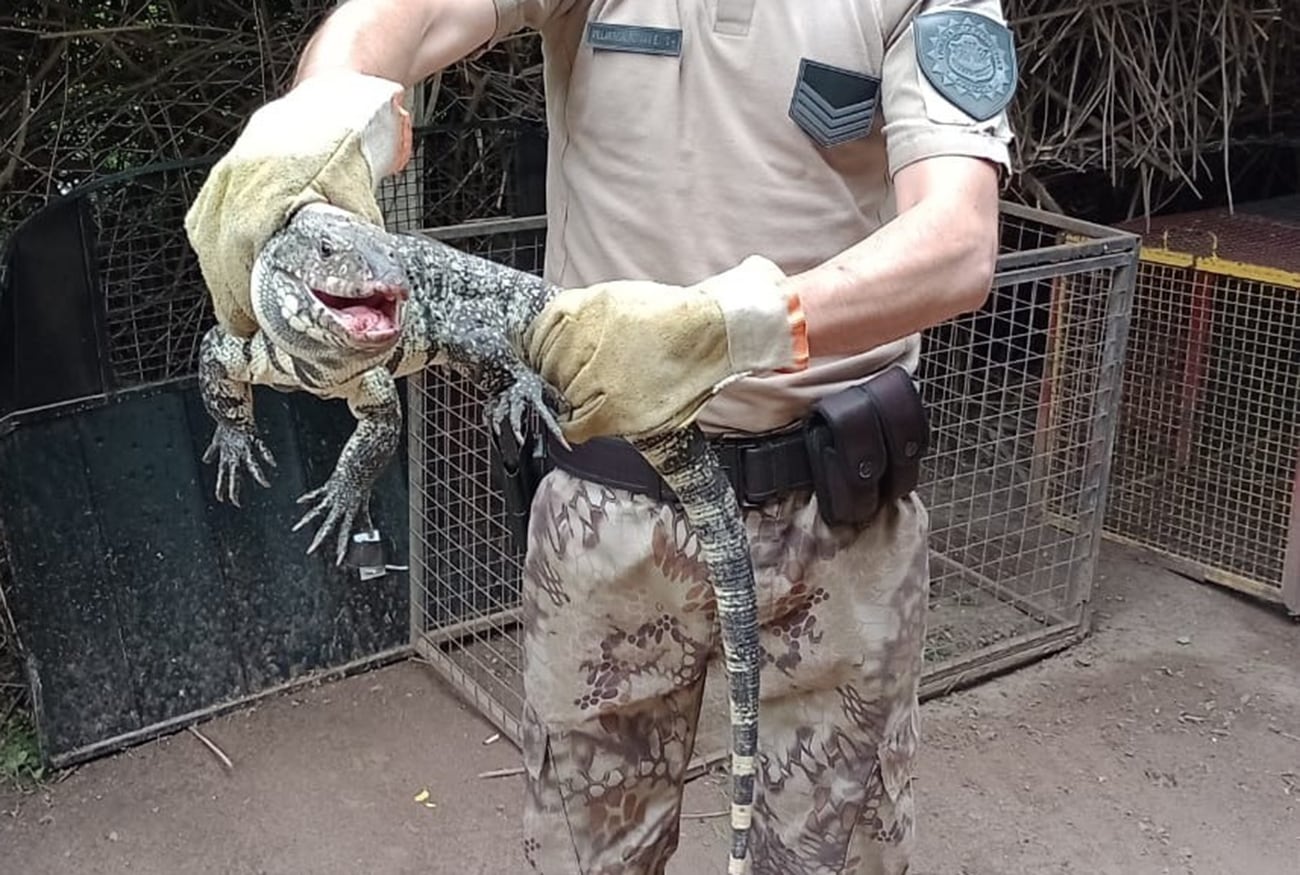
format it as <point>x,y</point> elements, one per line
<point>1148,92</point>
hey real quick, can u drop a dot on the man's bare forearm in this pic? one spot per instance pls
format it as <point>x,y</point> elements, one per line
<point>934,261</point>
<point>402,40</point>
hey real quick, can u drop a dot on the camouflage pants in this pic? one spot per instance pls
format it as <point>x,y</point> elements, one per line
<point>619,632</point>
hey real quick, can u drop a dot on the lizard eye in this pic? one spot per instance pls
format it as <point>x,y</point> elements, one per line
<point>326,250</point>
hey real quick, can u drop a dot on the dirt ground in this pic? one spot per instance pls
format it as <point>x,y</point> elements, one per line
<point>1167,743</point>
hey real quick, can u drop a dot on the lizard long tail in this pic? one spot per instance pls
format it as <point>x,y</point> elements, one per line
<point>687,463</point>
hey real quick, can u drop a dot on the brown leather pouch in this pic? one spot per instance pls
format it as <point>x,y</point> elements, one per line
<point>865,445</point>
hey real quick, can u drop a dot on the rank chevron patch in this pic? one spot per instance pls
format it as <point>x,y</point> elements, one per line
<point>833,105</point>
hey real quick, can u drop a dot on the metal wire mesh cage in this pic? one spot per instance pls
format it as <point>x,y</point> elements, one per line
<point>113,254</point>
<point>151,304</point>
<point>156,305</point>
<point>1207,466</point>
<point>1022,396</point>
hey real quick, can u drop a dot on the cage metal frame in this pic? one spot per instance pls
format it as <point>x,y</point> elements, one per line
<point>1078,248</point>
<point>1182,272</point>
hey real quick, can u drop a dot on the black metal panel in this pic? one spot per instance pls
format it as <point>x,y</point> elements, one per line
<point>176,626</point>
<point>275,588</point>
<point>50,315</point>
<point>143,602</point>
<point>63,601</point>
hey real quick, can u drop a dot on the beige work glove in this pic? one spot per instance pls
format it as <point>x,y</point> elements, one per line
<point>332,138</point>
<point>634,358</point>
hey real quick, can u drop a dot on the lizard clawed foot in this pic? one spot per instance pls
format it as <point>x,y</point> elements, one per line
<point>528,390</point>
<point>235,448</point>
<point>341,506</point>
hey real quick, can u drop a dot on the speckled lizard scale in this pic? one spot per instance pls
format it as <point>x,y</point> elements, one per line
<point>468,314</point>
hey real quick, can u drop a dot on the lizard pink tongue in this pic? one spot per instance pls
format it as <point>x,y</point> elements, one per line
<point>361,319</point>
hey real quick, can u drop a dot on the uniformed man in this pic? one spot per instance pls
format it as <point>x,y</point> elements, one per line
<point>755,207</point>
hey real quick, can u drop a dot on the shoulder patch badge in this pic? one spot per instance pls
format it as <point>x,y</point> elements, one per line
<point>969,58</point>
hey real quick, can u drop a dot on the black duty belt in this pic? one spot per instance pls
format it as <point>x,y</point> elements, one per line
<point>859,449</point>
<point>760,468</point>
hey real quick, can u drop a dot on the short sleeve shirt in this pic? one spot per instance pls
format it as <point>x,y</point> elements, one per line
<point>685,135</point>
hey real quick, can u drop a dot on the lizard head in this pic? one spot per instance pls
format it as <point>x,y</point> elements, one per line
<point>331,279</point>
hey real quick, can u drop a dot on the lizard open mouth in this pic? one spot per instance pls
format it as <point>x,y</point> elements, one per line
<point>372,317</point>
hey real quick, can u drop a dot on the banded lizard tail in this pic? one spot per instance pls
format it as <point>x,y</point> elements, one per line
<point>345,308</point>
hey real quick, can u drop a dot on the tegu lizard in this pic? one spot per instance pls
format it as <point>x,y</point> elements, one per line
<point>345,308</point>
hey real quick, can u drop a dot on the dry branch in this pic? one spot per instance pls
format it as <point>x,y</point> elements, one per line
<point>1148,94</point>
<point>18,142</point>
<point>109,89</point>
<point>212,746</point>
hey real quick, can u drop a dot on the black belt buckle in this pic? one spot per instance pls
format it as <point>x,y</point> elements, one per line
<point>767,467</point>
<point>731,456</point>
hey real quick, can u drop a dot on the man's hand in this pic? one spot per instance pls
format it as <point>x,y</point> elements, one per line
<point>332,138</point>
<point>634,358</point>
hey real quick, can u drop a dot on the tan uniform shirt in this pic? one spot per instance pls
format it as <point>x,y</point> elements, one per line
<point>685,135</point>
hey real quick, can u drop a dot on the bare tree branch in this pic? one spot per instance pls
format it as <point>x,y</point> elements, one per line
<point>19,141</point>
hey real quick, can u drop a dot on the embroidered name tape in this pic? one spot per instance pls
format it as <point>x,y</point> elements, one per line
<point>969,58</point>
<point>634,38</point>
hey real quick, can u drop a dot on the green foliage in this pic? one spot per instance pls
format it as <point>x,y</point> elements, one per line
<point>20,758</point>
<point>19,754</point>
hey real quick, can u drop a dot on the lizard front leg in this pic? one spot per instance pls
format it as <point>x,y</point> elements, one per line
<point>345,496</point>
<point>511,386</point>
<point>227,392</point>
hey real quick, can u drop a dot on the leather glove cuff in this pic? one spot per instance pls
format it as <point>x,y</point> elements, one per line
<point>325,108</point>
<point>766,328</point>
